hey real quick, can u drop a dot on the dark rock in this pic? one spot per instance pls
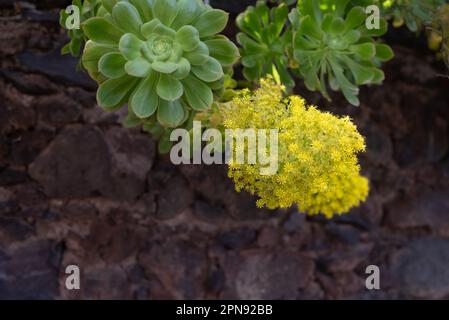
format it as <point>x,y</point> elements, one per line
<point>57,110</point>
<point>58,67</point>
<point>429,208</point>
<point>34,84</point>
<point>344,260</point>
<point>174,197</point>
<point>343,233</point>
<point>378,144</point>
<point>16,111</point>
<point>237,239</point>
<point>11,176</point>
<point>108,282</point>
<point>421,268</point>
<point>132,156</point>
<point>180,267</point>
<point>30,271</point>
<point>12,229</point>
<point>294,222</point>
<point>75,164</point>
<point>262,275</point>
<point>209,213</point>
<point>216,281</point>
<point>268,237</point>
<point>27,146</point>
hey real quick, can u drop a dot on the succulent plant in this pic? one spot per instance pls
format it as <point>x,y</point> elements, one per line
<point>413,13</point>
<point>88,9</point>
<point>265,40</point>
<point>163,57</point>
<point>334,46</point>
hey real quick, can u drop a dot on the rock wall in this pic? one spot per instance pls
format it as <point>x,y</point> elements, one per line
<point>76,188</point>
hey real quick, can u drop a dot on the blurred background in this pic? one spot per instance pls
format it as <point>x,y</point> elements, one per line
<point>77,188</point>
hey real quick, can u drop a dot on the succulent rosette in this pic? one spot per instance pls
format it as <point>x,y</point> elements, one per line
<point>334,47</point>
<point>265,39</point>
<point>164,57</point>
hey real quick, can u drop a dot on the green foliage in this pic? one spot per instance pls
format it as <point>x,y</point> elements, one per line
<point>88,9</point>
<point>265,40</point>
<point>414,13</point>
<point>163,57</point>
<point>333,46</point>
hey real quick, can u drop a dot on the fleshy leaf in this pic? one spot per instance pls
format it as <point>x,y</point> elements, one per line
<point>168,88</point>
<point>92,54</point>
<point>144,102</point>
<point>165,11</point>
<point>210,71</point>
<point>130,45</point>
<point>188,10</point>
<point>138,67</point>
<point>384,52</point>
<point>164,67</point>
<point>188,37</point>
<point>113,92</point>
<point>126,17</point>
<point>211,22</point>
<point>170,113</point>
<point>102,31</point>
<point>183,71</point>
<point>112,65</point>
<point>198,94</point>
<point>145,8</point>
<point>199,55</point>
<point>147,29</point>
<point>223,50</point>
<point>365,51</point>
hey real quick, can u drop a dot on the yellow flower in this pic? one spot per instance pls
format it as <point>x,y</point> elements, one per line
<point>318,165</point>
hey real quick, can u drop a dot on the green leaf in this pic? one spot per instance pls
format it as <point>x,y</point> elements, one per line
<point>183,71</point>
<point>210,71</point>
<point>364,51</point>
<point>170,113</point>
<point>198,94</point>
<point>113,92</point>
<point>164,31</point>
<point>102,31</point>
<point>310,28</point>
<point>147,29</point>
<point>144,102</point>
<point>165,11</point>
<point>130,45</point>
<point>109,4</point>
<point>211,22</point>
<point>112,65</point>
<point>188,37</point>
<point>92,54</point>
<point>168,88</point>
<point>199,55</point>
<point>164,67</point>
<point>188,11</point>
<point>138,67</point>
<point>145,8</point>
<point>223,50</point>
<point>355,18</point>
<point>126,17</point>
<point>338,26</point>
<point>384,52</point>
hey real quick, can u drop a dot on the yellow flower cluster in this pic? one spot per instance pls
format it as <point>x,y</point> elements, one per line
<point>317,153</point>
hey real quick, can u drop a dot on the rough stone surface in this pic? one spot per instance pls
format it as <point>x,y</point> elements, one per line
<point>421,268</point>
<point>77,188</point>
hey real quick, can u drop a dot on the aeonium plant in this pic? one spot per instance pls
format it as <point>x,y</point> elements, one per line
<point>265,40</point>
<point>334,47</point>
<point>163,57</point>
